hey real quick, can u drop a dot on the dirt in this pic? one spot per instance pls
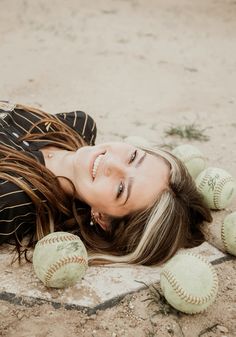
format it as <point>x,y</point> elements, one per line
<point>138,67</point>
<point>135,315</point>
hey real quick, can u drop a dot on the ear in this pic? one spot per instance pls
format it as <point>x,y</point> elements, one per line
<point>102,220</point>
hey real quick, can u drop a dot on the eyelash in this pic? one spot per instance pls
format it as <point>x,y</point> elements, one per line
<point>120,189</point>
<point>133,156</point>
<point>121,185</point>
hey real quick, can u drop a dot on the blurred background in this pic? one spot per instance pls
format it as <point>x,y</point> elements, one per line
<point>136,66</point>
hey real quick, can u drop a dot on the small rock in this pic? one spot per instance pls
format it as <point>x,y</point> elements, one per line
<point>54,295</point>
<point>132,324</point>
<point>229,287</point>
<point>170,330</point>
<point>222,328</point>
<point>20,315</point>
<point>131,306</point>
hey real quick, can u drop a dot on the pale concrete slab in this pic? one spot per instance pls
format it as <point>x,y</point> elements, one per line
<point>101,287</point>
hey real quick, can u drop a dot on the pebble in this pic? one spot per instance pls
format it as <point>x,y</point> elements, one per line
<point>55,295</point>
<point>170,330</point>
<point>131,306</point>
<point>222,328</point>
<point>20,315</point>
<point>132,324</point>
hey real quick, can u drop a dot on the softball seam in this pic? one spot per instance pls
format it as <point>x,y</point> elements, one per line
<point>218,188</point>
<point>57,239</point>
<point>182,293</point>
<point>223,237</point>
<point>204,181</point>
<point>61,263</point>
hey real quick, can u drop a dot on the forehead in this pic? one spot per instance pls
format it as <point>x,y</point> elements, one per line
<point>149,180</point>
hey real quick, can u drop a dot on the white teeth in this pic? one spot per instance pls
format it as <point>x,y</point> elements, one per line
<point>96,164</point>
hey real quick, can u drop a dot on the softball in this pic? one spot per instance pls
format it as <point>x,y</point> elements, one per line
<point>217,187</point>
<point>60,259</point>
<point>189,283</point>
<point>137,141</point>
<point>228,233</point>
<point>192,157</point>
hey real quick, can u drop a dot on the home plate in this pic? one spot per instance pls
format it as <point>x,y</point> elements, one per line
<point>100,288</point>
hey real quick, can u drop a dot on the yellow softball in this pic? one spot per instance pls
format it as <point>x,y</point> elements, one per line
<point>228,233</point>
<point>189,282</point>
<point>60,259</point>
<point>192,157</point>
<point>217,187</point>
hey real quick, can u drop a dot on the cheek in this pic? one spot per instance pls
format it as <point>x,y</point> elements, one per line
<point>97,194</point>
<point>103,196</point>
<point>104,190</point>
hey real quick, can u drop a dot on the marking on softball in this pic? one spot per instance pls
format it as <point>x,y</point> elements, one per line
<point>61,263</point>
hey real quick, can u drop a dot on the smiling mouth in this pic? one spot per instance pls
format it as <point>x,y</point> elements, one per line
<point>96,164</point>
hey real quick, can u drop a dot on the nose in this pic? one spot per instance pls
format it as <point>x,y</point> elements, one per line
<point>114,166</point>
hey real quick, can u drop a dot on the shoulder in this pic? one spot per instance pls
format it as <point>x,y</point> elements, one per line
<point>82,123</point>
<point>18,116</point>
<point>6,106</point>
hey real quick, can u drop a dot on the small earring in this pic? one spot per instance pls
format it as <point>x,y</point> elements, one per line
<point>92,220</point>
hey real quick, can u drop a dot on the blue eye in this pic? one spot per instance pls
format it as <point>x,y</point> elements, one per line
<point>121,188</point>
<point>133,156</point>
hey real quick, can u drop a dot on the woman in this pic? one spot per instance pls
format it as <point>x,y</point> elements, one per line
<point>128,205</point>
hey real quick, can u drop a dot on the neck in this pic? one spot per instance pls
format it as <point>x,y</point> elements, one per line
<point>58,161</point>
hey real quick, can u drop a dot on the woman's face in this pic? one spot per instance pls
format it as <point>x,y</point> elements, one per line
<point>117,178</point>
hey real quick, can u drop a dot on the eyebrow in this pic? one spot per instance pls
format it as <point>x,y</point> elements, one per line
<point>131,179</point>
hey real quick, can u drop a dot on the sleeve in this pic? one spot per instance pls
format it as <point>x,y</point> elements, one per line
<point>23,120</point>
<point>6,106</point>
<point>17,212</point>
<point>82,123</point>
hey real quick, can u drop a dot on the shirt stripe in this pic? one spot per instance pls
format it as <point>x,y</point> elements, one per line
<point>16,207</point>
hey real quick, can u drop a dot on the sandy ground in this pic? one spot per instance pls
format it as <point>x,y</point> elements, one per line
<point>131,317</point>
<point>138,67</point>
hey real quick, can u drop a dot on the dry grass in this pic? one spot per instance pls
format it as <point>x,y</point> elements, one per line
<point>188,131</point>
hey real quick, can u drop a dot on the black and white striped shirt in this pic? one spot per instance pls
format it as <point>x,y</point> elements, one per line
<point>17,212</point>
